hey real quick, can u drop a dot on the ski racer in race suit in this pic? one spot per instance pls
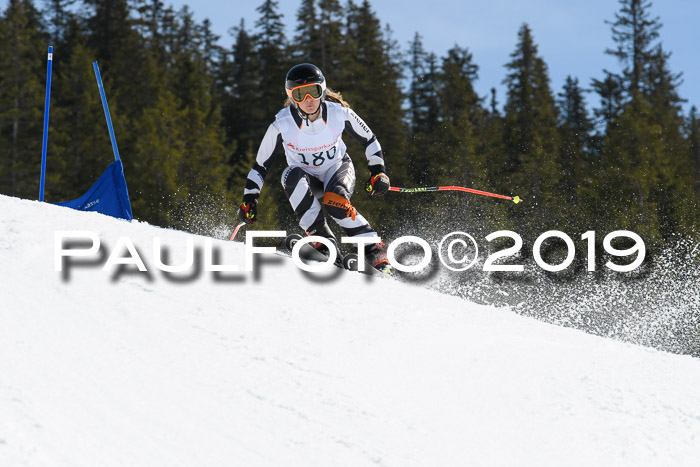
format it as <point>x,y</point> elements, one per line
<point>320,172</point>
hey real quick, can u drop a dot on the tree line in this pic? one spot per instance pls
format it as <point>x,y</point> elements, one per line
<point>189,114</point>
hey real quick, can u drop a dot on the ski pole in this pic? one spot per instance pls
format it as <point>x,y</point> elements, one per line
<point>235,231</point>
<point>515,199</point>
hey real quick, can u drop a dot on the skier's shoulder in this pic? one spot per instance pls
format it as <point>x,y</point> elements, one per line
<point>338,108</point>
<point>342,112</point>
<point>333,105</point>
<point>284,112</point>
<point>285,119</point>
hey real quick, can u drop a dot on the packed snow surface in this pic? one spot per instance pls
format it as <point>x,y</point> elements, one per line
<point>279,367</point>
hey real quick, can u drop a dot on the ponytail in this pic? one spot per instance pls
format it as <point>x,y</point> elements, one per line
<point>333,96</point>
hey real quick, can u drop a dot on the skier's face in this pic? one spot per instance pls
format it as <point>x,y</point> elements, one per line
<point>310,105</point>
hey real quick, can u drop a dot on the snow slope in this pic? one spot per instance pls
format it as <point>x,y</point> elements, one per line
<point>104,369</point>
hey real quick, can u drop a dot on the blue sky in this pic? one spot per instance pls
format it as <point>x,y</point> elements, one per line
<point>572,35</point>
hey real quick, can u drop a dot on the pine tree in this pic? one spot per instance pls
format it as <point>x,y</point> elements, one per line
<point>460,114</point>
<point>634,33</point>
<point>426,159</point>
<point>573,115</point>
<point>246,122</point>
<point>244,119</point>
<point>458,134</point>
<point>203,172</point>
<point>307,43</point>
<point>643,158</point>
<point>611,93</point>
<point>531,141</point>
<point>693,132</point>
<point>150,19</point>
<point>154,25</point>
<point>674,192</point>
<point>368,64</point>
<point>490,147</point>
<point>156,158</point>
<point>575,130</point>
<point>493,103</point>
<point>661,85</point>
<point>179,159</point>
<point>271,56</point>
<point>623,197</point>
<point>59,16</point>
<point>113,36</point>
<point>330,34</point>
<point>22,77</point>
<point>422,95</point>
<point>371,71</point>
<point>108,26</point>
<point>458,99</point>
<point>209,48</point>
<point>318,38</point>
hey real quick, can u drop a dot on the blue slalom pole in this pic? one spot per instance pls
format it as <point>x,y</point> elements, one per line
<point>47,100</point>
<point>106,108</point>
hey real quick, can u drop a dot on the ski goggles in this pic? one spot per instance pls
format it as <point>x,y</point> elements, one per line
<point>299,93</point>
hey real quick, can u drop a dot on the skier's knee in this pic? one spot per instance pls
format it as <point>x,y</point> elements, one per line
<point>338,206</point>
<point>291,178</point>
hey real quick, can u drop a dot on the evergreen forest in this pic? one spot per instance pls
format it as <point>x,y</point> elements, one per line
<point>190,113</point>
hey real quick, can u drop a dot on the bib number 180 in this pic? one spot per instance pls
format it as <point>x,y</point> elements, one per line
<point>318,158</point>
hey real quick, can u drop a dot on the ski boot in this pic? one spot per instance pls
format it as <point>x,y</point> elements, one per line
<point>325,231</point>
<point>376,255</point>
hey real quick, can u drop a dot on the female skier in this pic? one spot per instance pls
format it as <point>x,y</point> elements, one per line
<point>309,128</point>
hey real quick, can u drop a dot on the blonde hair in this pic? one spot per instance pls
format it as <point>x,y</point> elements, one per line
<point>331,96</point>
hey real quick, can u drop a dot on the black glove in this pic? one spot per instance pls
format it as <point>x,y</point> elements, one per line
<point>248,211</point>
<point>378,184</point>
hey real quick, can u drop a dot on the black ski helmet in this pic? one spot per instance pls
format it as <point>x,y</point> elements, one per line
<point>304,73</point>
